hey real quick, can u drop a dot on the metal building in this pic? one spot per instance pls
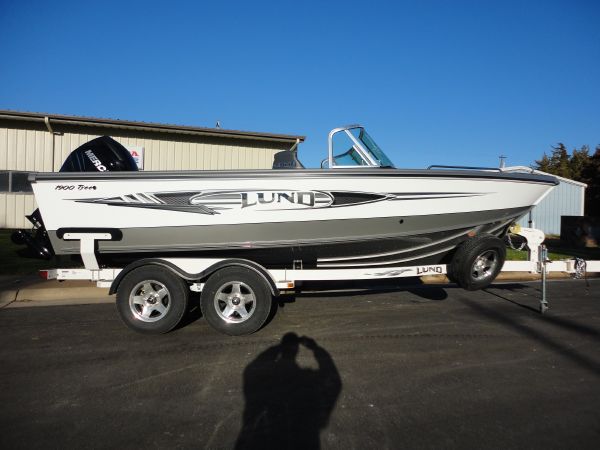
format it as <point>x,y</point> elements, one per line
<point>566,199</point>
<point>33,142</point>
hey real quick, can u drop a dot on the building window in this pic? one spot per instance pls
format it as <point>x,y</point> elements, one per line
<point>14,181</point>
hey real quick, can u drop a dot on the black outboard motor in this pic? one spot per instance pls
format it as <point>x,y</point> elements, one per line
<point>102,154</point>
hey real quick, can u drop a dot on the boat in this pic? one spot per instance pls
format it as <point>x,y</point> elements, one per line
<point>241,236</point>
<point>357,210</point>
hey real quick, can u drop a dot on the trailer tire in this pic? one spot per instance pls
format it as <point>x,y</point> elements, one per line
<point>152,300</point>
<point>477,262</point>
<point>236,301</point>
<point>450,274</point>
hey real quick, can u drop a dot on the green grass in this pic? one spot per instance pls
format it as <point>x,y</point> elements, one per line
<point>11,263</point>
<point>521,255</point>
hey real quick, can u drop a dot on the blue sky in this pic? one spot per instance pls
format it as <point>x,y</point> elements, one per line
<point>434,82</point>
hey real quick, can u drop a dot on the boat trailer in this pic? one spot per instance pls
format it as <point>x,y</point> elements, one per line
<point>193,269</point>
<point>152,294</point>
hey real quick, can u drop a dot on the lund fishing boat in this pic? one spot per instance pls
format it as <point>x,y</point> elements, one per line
<point>240,237</point>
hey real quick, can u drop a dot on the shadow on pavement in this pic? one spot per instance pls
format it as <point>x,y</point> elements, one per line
<point>193,313</point>
<point>328,289</point>
<point>554,320</point>
<point>429,292</point>
<point>515,287</point>
<point>545,340</point>
<point>350,288</point>
<point>287,405</point>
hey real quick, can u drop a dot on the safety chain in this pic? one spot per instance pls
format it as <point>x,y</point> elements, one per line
<point>580,267</point>
<point>510,242</point>
<point>581,270</point>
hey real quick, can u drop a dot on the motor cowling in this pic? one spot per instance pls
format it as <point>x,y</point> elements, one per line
<point>102,154</point>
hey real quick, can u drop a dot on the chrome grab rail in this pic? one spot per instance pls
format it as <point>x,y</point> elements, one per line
<point>464,167</point>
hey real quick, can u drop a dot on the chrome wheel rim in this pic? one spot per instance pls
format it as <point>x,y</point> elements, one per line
<point>149,301</point>
<point>235,302</point>
<point>484,265</point>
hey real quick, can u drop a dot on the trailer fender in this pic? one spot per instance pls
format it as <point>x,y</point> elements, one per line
<point>196,277</point>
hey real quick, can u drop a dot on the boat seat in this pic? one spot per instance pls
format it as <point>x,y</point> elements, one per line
<point>286,160</point>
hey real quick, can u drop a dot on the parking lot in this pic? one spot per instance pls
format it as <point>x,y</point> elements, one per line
<point>398,367</point>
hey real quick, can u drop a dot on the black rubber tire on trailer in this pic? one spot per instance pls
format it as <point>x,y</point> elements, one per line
<point>450,274</point>
<point>152,300</point>
<point>236,301</point>
<point>477,262</point>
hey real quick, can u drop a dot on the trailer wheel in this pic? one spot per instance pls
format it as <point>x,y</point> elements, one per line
<point>152,300</point>
<point>477,262</point>
<point>236,301</point>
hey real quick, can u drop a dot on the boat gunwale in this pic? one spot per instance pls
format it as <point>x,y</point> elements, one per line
<point>286,173</point>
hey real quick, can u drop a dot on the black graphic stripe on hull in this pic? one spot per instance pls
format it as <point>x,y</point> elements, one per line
<point>412,253</point>
<point>462,232</point>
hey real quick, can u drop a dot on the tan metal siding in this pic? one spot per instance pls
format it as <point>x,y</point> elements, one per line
<point>3,208</point>
<point>31,150</point>
<point>13,208</point>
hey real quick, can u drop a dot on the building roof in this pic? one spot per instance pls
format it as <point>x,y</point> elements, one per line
<point>54,119</point>
<point>530,170</point>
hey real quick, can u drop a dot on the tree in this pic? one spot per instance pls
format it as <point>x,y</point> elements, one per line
<point>579,160</point>
<point>560,161</point>
<point>591,176</point>
<point>578,166</point>
<point>543,164</point>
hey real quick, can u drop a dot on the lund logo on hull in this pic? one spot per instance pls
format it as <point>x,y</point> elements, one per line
<point>263,200</point>
<point>288,199</point>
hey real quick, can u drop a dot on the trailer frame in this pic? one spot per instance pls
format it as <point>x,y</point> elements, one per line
<point>196,272</point>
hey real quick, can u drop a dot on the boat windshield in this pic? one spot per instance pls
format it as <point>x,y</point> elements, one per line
<point>353,147</point>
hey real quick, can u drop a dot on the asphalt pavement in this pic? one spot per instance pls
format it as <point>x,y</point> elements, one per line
<point>409,367</point>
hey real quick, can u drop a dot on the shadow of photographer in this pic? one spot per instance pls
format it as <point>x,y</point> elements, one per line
<point>287,405</point>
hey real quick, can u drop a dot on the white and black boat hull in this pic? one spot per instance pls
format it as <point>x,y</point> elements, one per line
<point>323,218</point>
